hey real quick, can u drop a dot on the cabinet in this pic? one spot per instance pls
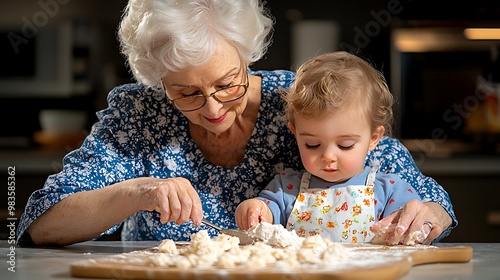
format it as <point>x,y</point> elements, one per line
<point>476,203</point>
<point>473,183</point>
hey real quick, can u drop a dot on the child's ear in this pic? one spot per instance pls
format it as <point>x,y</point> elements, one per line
<point>291,126</point>
<point>376,136</point>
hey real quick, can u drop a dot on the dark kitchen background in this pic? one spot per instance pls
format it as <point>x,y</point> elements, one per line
<point>446,86</point>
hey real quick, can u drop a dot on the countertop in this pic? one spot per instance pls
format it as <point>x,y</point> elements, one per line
<point>54,263</point>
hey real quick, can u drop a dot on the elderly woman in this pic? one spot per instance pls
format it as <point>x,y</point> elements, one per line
<point>199,133</point>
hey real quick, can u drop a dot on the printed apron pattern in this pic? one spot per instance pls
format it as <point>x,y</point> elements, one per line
<point>342,214</point>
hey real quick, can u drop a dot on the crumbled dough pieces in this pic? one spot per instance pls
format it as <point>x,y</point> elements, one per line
<point>168,246</point>
<point>276,235</point>
<point>279,248</point>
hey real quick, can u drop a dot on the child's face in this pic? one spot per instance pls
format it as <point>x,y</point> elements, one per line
<point>334,147</point>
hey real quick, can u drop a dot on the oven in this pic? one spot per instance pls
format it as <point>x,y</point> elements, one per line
<point>447,90</point>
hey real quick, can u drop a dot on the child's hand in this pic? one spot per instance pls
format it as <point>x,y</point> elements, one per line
<point>251,212</point>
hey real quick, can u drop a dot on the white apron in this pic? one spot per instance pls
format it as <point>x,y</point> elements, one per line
<point>340,214</point>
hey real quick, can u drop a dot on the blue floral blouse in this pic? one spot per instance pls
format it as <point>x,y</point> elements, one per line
<point>140,134</point>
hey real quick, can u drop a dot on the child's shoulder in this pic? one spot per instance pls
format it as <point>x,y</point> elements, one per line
<point>290,173</point>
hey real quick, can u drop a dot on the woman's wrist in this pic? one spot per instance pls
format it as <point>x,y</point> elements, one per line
<point>136,192</point>
<point>441,214</point>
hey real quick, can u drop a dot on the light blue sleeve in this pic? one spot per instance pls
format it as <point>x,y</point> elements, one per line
<point>392,193</point>
<point>281,193</point>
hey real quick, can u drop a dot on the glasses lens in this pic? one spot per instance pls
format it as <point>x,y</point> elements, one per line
<point>231,93</point>
<point>195,102</point>
<point>190,102</point>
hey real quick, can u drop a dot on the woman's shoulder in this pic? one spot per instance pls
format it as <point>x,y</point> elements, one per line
<point>135,98</point>
<point>272,80</point>
<point>387,147</point>
<point>393,157</point>
<point>271,85</point>
<point>133,92</point>
<point>389,143</point>
<point>135,107</point>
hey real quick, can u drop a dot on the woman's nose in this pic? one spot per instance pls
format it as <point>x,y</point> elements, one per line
<point>212,105</point>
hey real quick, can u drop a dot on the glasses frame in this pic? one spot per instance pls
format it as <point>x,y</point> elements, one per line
<point>213,94</point>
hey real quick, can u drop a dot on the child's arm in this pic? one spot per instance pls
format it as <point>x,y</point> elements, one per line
<point>279,197</point>
<point>397,193</point>
<point>392,193</point>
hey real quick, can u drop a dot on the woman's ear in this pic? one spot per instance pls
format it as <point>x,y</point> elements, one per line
<point>291,126</point>
<point>376,136</point>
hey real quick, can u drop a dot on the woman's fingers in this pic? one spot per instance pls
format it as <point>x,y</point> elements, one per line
<point>385,222</point>
<point>196,209</point>
<point>421,222</point>
<point>175,207</point>
<point>175,199</point>
<point>415,223</point>
<point>409,220</point>
<point>189,202</point>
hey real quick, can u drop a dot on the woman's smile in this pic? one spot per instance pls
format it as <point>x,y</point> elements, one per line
<point>217,120</point>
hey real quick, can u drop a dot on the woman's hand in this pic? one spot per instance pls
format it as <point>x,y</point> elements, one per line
<point>175,199</point>
<point>415,223</point>
<point>251,212</point>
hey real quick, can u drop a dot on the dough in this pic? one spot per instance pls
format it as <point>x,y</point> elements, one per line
<point>279,248</point>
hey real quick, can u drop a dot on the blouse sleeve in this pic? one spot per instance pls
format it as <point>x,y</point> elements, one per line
<point>393,157</point>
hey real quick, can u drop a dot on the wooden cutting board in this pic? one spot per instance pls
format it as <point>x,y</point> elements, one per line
<point>366,261</point>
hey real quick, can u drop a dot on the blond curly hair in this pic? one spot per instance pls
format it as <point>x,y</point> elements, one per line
<point>340,80</point>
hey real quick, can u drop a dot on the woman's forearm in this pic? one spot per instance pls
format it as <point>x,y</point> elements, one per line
<point>84,215</point>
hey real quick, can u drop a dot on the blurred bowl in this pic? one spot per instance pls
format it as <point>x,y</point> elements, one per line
<point>63,121</point>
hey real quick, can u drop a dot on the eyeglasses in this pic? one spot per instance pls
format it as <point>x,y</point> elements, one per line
<point>197,101</point>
